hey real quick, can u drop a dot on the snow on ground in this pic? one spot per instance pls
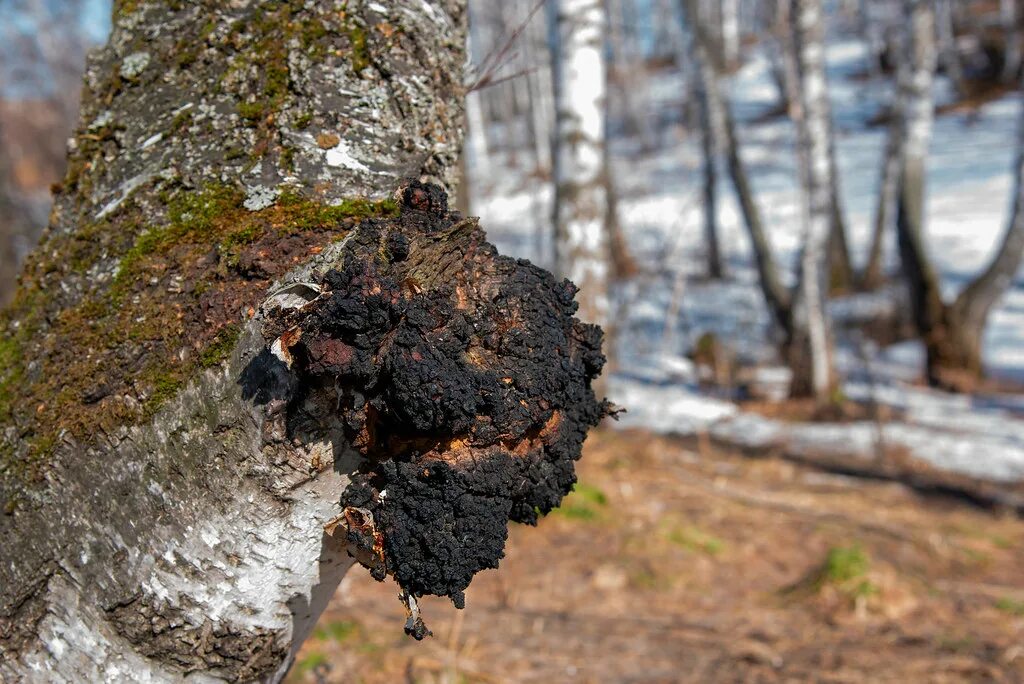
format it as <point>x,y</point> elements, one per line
<point>969,182</point>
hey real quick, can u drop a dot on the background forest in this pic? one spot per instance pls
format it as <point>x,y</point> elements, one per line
<point>801,223</point>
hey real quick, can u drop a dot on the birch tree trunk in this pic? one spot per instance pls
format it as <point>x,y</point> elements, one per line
<point>809,347</point>
<point>1010,20</point>
<point>775,294</point>
<point>709,171</point>
<point>730,12</point>
<point>889,181</point>
<point>885,211</point>
<point>806,69</point>
<point>916,117</point>
<point>952,333</point>
<point>231,340</point>
<point>581,203</point>
<point>971,309</point>
<point>950,53</point>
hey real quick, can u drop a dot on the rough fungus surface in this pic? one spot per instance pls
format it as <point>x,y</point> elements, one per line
<point>460,376</point>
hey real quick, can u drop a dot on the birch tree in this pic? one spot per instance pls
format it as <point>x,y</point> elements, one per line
<point>952,333</point>
<point>948,49</point>
<point>730,15</point>
<point>709,172</point>
<point>799,312</point>
<point>699,48</point>
<point>809,346</point>
<point>239,362</point>
<point>806,73</point>
<point>1008,15</point>
<point>582,249</point>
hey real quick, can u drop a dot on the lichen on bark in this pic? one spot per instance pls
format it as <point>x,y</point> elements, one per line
<point>214,187</point>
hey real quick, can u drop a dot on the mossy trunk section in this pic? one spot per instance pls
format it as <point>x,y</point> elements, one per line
<point>250,352</point>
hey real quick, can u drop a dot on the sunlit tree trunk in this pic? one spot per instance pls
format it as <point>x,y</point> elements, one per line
<point>948,51</point>
<point>228,317</point>
<point>775,293</point>
<point>809,347</point>
<point>730,13</point>
<point>885,210</point>
<point>582,250</point>
<point>809,87</point>
<point>916,114</point>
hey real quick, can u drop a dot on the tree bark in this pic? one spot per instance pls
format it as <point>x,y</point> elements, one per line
<point>948,48</point>
<point>807,46</point>
<point>970,311</point>
<point>888,190</point>
<point>730,12</point>
<point>775,294</point>
<point>709,158</point>
<point>916,117</point>
<point>231,337</point>
<point>1008,14</point>
<point>808,347</point>
<point>582,251</point>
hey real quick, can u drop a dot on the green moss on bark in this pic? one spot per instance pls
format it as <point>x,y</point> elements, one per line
<point>175,306</point>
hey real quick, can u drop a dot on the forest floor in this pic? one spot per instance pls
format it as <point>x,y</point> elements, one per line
<point>675,561</point>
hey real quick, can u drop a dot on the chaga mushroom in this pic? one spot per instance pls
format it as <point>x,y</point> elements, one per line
<point>461,378</point>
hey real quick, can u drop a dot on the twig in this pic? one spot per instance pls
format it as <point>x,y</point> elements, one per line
<point>498,57</point>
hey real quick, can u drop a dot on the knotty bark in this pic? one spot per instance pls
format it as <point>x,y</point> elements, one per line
<point>229,320</point>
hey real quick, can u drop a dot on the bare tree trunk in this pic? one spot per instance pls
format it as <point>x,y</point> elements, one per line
<point>809,347</point>
<point>629,75</point>
<point>1010,21</point>
<point>730,12</point>
<point>971,309</point>
<point>776,295</point>
<point>871,35</point>
<point>623,266</point>
<point>581,200</point>
<point>814,111</point>
<point>889,181</point>
<point>538,77</point>
<point>948,50</point>
<point>952,333</point>
<point>230,334</point>
<point>916,123</point>
<point>710,179</point>
<point>885,211</point>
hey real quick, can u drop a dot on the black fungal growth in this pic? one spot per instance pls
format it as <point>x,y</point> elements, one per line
<point>460,375</point>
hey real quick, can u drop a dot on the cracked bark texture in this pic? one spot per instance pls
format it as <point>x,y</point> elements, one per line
<point>162,518</point>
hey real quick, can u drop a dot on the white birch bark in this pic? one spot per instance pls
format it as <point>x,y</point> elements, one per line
<point>814,133</point>
<point>192,544</point>
<point>581,203</point>
<point>730,32</point>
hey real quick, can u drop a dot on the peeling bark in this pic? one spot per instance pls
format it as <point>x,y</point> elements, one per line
<point>173,453</point>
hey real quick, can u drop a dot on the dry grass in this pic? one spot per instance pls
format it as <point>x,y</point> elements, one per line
<point>667,567</point>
